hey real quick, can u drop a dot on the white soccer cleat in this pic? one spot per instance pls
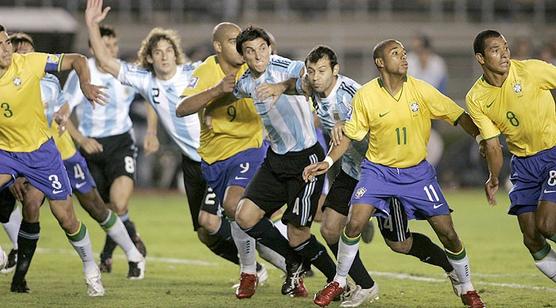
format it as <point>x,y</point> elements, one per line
<point>94,284</point>
<point>456,284</point>
<point>360,296</point>
<point>262,276</point>
<point>136,270</point>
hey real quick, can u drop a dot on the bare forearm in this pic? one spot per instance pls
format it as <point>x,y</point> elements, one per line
<point>494,158</point>
<point>82,70</point>
<point>194,103</point>
<point>337,151</point>
<point>102,56</point>
<point>74,133</point>
<point>468,125</point>
<point>152,119</point>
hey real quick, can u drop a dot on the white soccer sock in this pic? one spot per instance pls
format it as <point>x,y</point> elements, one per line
<point>546,264</point>
<point>347,250</point>
<point>115,228</point>
<point>460,263</point>
<point>82,245</point>
<point>281,227</point>
<point>272,257</point>
<point>12,226</point>
<point>246,249</point>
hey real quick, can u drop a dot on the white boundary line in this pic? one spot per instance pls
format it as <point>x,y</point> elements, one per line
<point>389,275</point>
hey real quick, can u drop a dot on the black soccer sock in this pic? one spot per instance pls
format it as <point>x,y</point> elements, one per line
<point>428,252</point>
<point>225,248</point>
<point>27,243</point>
<point>265,233</point>
<point>225,230</point>
<point>108,249</point>
<point>130,227</point>
<point>357,271</point>
<point>315,252</point>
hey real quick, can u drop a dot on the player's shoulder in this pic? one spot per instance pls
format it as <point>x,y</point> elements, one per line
<point>245,77</point>
<point>50,78</point>
<point>277,62</point>
<point>417,83</point>
<point>133,68</point>
<point>347,86</point>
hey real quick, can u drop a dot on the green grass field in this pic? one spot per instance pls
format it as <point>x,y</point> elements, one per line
<point>183,273</point>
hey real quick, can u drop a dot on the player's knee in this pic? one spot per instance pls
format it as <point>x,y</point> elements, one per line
<point>31,211</point>
<point>355,226</point>
<point>210,222</point>
<point>330,233</point>
<point>248,214</point>
<point>545,227</point>
<point>298,235</point>
<point>204,236</point>
<point>399,247</point>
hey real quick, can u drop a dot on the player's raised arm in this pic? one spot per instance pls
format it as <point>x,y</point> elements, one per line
<point>78,63</point>
<point>191,104</point>
<point>94,14</point>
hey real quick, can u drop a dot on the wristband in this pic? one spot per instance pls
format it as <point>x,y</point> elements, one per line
<point>329,160</point>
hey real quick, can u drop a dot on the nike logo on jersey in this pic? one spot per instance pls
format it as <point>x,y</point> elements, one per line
<point>55,192</point>
<point>240,178</point>
<point>383,114</point>
<point>546,191</point>
<point>79,185</point>
<point>488,106</point>
<point>437,205</point>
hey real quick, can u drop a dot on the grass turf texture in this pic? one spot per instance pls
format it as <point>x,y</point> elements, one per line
<point>181,272</point>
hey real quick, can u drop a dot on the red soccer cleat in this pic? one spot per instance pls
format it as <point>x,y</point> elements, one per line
<point>247,285</point>
<point>472,299</point>
<point>300,290</point>
<point>326,295</point>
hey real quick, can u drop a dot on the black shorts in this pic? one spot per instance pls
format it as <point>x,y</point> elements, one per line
<point>279,181</point>
<point>339,195</point>
<point>7,205</point>
<point>199,195</point>
<point>117,159</point>
<point>394,228</point>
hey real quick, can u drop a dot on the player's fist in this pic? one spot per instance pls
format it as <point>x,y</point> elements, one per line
<point>313,170</point>
<point>95,94</point>
<point>227,84</point>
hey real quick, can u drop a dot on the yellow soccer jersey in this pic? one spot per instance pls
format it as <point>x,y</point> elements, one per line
<point>23,124</point>
<point>236,126</point>
<point>398,126</point>
<point>522,108</point>
<point>64,143</point>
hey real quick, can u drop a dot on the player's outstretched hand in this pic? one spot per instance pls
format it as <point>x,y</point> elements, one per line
<point>313,170</point>
<point>94,14</point>
<point>270,91</point>
<point>95,94</point>
<point>91,146</point>
<point>337,133</point>
<point>491,187</point>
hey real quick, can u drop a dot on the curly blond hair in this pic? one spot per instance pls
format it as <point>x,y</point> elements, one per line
<point>152,39</point>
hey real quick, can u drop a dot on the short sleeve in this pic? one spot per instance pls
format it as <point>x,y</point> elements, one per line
<point>543,73</point>
<point>357,123</point>
<point>134,76</point>
<point>440,106</point>
<point>486,127</point>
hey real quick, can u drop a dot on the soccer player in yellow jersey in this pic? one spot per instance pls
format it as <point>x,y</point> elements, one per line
<point>27,149</point>
<point>231,144</point>
<point>513,98</point>
<point>395,110</point>
<point>80,178</point>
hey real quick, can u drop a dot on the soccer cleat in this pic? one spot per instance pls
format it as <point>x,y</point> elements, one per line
<point>360,296</point>
<point>262,276</point>
<point>19,286</point>
<point>12,262</point>
<point>326,295</point>
<point>140,245</point>
<point>368,232</point>
<point>105,266</point>
<point>300,290</point>
<point>456,284</point>
<point>3,259</point>
<point>94,284</point>
<point>136,270</point>
<point>247,285</point>
<point>294,273</point>
<point>471,299</point>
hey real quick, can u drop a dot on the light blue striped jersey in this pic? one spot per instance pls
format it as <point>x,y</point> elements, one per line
<point>164,95</point>
<point>52,95</point>
<point>288,121</point>
<point>102,121</point>
<point>337,107</point>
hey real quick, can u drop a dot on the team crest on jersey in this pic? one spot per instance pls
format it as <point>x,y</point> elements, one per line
<point>193,82</point>
<point>414,106</point>
<point>17,81</point>
<point>360,192</point>
<point>518,89</point>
